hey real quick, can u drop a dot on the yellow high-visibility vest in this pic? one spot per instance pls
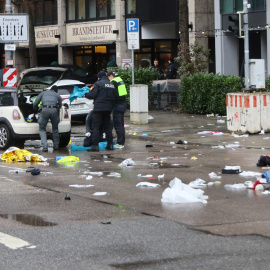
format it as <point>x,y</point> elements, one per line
<point>122,91</point>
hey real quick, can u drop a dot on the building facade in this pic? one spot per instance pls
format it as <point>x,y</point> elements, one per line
<point>229,47</point>
<point>90,33</point>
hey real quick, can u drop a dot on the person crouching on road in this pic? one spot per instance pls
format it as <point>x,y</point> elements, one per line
<point>51,104</point>
<point>119,108</point>
<point>103,95</point>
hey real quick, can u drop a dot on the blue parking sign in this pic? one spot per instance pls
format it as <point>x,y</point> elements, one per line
<point>132,25</point>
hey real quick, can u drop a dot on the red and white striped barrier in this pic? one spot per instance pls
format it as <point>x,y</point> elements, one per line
<point>248,112</point>
<point>9,77</point>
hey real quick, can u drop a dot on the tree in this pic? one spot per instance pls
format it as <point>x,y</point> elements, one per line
<point>192,59</point>
<point>28,7</point>
<point>183,21</point>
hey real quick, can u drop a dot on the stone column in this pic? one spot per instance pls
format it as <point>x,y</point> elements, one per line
<point>65,54</point>
<point>121,43</point>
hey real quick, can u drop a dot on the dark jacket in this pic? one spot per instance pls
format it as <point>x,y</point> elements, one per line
<point>171,71</point>
<point>102,94</point>
<point>158,69</point>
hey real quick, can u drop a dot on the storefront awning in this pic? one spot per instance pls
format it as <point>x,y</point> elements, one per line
<point>88,44</point>
<point>38,47</point>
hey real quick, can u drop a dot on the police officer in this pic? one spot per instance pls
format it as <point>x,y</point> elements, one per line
<point>119,108</point>
<point>103,95</point>
<point>171,70</point>
<point>51,104</point>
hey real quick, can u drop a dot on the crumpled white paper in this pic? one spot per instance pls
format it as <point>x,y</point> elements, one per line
<point>179,192</point>
<point>147,184</point>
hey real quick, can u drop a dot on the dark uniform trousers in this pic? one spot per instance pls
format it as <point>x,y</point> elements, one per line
<point>118,122</point>
<point>46,115</point>
<point>100,117</point>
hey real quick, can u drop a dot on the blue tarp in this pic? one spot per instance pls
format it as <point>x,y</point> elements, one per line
<point>78,92</point>
<point>101,145</point>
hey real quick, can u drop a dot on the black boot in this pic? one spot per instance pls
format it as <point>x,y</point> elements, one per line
<point>109,146</point>
<point>94,148</point>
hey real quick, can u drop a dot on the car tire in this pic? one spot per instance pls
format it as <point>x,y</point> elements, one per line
<point>64,139</point>
<point>5,137</point>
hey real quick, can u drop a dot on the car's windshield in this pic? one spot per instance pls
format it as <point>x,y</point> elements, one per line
<point>46,77</point>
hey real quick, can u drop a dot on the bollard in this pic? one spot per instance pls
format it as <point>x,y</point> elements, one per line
<point>139,104</point>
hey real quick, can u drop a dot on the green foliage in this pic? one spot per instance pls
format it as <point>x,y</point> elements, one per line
<point>267,83</point>
<point>204,93</point>
<point>192,58</point>
<point>141,76</point>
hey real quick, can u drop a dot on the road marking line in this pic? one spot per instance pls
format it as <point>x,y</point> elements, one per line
<point>14,242</point>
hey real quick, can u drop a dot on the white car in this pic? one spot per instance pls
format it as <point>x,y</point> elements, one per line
<point>18,120</point>
<point>80,107</point>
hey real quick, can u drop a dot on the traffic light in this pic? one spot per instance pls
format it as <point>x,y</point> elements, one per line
<point>234,24</point>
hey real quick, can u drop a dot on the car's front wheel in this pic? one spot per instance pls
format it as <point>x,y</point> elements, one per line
<point>64,139</point>
<point>5,138</point>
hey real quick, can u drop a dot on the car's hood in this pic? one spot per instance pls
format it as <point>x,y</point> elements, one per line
<point>37,79</point>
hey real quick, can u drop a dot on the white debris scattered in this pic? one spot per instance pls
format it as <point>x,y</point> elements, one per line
<point>220,121</point>
<point>249,174</point>
<point>235,186</point>
<point>214,175</point>
<point>147,184</point>
<point>262,132</point>
<point>161,176</point>
<point>179,192</point>
<point>81,186</point>
<point>100,193</point>
<point>127,162</point>
<point>114,174</point>
<point>89,177</point>
<point>197,183</point>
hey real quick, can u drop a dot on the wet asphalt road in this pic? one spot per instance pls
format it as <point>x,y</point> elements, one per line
<point>129,227</point>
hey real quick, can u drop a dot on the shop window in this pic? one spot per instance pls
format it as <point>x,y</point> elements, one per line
<point>81,9</point>
<point>100,49</point>
<point>131,6</point>
<point>71,10</point>
<point>47,11</point>
<point>111,8</point>
<point>39,13</point>
<point>163,46</point>
<point>102,11</point>
<point>92,9</point>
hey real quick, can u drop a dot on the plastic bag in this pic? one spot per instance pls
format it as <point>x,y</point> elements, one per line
<point>182,193</point>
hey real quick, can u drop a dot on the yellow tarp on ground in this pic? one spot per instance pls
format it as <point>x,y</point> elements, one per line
<point>68,159</point>
<point>16,154</point>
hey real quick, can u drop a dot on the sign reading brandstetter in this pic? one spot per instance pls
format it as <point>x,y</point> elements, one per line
<point>14,28</point>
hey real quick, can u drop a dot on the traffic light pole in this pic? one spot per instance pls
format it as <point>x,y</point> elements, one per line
<point>246,45</point>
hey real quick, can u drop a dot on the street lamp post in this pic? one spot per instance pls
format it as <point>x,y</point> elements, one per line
<point>246,45</point>
<point>8,54</point>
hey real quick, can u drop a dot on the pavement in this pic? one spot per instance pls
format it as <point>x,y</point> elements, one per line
<point>229,211</point>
